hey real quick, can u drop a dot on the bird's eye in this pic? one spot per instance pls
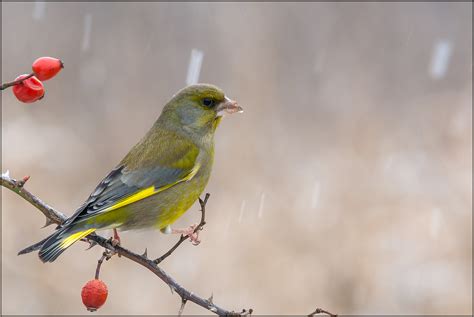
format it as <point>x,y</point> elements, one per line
<point>208,102</point>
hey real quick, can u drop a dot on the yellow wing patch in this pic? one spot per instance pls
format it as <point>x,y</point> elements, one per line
<point>74,237</point>
<point>147,192</point>
<point>133,198</point>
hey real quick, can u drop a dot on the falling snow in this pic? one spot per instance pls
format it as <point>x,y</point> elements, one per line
<point>39,10</point>
<point>440,59</point>
<point>315,195</point>
<point>194,68</point>
<point>435,222</point>
<point>86,38</point>
<point>262,204</point>
<point>242,209</point>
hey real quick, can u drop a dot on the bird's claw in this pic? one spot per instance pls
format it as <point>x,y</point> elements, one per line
<point>194,238</point>
<point>115,240</point>
<point>190,232</point>
<point>194,235</point>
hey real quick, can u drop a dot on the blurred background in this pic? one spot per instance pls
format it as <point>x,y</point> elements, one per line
<point>345,184</point>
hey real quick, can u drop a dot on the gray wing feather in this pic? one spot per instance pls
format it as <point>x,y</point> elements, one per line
<point>120,183</point>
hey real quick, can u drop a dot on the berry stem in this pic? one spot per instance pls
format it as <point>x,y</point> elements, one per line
<point>99,263</point>
<point>105,256</point>
<point>16,82</point>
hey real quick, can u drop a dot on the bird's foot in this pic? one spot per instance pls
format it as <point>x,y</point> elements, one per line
<point>115,240</point>
<point>191,232</point>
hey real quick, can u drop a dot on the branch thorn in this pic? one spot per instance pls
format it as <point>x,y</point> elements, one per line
<point>47,223</point>
<point>22,182</point>
<point>183,303</point>
<point>92,244</point>
<point>210,299</point>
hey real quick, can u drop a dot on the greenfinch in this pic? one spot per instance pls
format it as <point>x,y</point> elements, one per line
<point>159,179</point>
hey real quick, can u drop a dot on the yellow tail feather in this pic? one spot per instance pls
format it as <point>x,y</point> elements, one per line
<point>74,237</point>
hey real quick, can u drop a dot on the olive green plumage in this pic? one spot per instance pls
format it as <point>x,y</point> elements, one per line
<point>159,179</point>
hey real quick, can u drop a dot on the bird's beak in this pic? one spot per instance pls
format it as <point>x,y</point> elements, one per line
<point>228,106</point>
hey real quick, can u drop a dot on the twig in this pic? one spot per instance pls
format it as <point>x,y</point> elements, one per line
<point>181,309</point>
<point>171,282</point>
<point>58,218</point>
<point>185,237</point>
<point>245,312</point>
<point>23,181</point>
<point>52,214</point>
<point>105,256</point>
<point>321,311</point>
<point>15,82</point>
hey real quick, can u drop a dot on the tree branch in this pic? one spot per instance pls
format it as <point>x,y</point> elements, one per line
<point>15,82</point>
<point>57,217</point>
<point>53,215</point>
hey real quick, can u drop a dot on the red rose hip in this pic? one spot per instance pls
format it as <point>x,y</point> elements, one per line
<point>94,294</point>
<point>47,67</point>
<point>29,90</point>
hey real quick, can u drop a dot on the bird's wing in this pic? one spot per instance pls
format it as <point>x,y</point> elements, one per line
<point>124,186</point>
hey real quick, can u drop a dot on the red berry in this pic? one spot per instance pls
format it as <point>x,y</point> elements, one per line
<point>94,294</point>
<point>47,67</point>
<point>29,90</point>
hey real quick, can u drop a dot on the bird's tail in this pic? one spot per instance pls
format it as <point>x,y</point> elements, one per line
<point>52,247</point>
<point>33,247</point>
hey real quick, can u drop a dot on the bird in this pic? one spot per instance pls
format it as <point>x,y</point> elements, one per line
<point>158,180</point>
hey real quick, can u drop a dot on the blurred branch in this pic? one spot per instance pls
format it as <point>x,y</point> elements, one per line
<point>15,82</point>
<point>321,311</point>
<point>57,217</point>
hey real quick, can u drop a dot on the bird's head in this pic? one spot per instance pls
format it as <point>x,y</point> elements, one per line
<point>199,108</point>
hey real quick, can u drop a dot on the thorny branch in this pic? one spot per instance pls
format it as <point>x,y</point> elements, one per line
<point>15,82</point>
<point>54,216</point>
